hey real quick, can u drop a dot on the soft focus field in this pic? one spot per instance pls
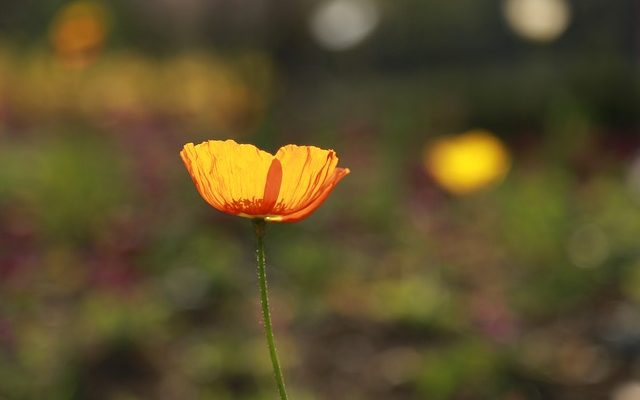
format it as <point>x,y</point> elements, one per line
<point>118,282</point>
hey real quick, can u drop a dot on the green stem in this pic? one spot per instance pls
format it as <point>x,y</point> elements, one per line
<point>260,225</point>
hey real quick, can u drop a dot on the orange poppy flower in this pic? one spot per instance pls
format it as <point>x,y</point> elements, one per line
<point>240,179</point>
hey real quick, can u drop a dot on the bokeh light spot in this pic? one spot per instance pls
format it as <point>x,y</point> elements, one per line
<point>627,391</point>
<point>342,24</point>
<point>538,20</point>
<point>468,162</point>
<point>588,246</point>
<point>633,177</point>
<point>78,32</point>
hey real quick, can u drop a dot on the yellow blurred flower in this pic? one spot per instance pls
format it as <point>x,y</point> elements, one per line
<point>468,162</point>
<point>201,90</point>
<point>78,32</point>
<point>206,90</point>
<point>121,83</point>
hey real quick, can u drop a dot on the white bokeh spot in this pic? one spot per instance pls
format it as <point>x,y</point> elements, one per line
<point>538,20</point>
<point>342,24</point>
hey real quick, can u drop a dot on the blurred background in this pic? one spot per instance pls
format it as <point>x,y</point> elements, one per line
<point>485,246</point>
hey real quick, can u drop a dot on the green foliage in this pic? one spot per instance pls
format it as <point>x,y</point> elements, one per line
<point>72,184</point>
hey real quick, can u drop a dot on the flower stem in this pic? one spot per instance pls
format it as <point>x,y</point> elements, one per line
<point>260,225</point>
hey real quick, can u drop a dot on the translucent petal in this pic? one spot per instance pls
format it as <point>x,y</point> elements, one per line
<point>305,171</point>
<point>229,176</point>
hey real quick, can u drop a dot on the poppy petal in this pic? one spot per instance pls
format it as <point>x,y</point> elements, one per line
<point>305,170</point>
<point>229,176</point>
<point>303,213</point>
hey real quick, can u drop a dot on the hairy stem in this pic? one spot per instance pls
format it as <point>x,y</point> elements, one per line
<point>260,225</point>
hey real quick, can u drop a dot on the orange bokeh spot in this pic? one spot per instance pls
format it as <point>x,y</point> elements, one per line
<point>78,32</point>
